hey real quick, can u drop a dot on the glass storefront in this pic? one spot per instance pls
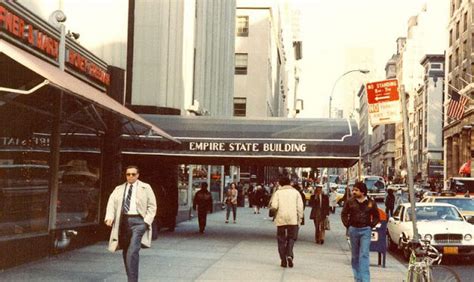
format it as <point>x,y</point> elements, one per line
<point>79,190</point>
<point>199,175</point>
<point>24,171</point>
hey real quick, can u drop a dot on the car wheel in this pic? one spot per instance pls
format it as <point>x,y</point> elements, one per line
<point>390,244</point>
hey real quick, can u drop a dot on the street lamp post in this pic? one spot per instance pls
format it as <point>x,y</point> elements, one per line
<point>335,83</point>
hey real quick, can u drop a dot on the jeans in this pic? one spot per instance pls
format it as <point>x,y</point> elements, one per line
<point>131,233</point>
<point>360,244</point>
<point>286,236</point>
<point>234,211</point>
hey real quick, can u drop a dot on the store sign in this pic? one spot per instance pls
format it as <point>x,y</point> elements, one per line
<point>246,147</point>
<point>23,30</point>
<point>26,32</point>
<point>83,65</point>
<point>8,141</point>
<point>383,102</point>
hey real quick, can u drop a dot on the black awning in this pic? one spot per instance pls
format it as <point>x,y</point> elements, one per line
<point>271,141</point>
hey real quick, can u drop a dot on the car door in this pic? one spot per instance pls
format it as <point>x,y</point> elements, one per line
<point>394,224</point>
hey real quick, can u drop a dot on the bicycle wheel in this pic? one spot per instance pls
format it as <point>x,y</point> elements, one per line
<point>441,273</point>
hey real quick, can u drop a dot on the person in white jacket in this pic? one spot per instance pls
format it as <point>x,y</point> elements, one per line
<point>288,204</point>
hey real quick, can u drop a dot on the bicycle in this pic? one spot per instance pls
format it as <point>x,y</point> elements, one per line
<point>421,267</point>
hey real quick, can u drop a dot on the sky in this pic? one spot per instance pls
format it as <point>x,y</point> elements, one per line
<point>341,35</point>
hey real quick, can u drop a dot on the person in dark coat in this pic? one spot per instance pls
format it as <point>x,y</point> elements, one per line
<point>389,203</point>
<point>203,201</point>
<point>319,213</point>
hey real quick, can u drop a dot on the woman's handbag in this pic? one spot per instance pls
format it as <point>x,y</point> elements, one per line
<point>327,224</point>
<point>272,212</point>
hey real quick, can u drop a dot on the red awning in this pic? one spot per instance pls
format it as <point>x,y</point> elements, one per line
<point>74,86</point>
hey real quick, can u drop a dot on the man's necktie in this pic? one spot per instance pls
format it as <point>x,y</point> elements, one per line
<point>126,204</point>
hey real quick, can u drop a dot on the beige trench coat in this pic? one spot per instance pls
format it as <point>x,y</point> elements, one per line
<point>146,206</point>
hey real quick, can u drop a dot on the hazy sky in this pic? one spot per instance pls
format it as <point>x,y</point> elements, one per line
<point>340,35</point>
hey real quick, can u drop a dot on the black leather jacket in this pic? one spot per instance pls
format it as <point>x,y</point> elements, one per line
<point>357,214</point>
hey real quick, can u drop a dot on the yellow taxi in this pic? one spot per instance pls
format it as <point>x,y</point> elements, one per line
<point>465,205</point>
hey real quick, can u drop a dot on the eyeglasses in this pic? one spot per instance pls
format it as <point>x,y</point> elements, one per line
<point>131,174</point>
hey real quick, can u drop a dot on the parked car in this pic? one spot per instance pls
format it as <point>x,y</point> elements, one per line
<point>460,185</point>
<point>375,187</point>
<point>397,187</point>
<point>442,224</point>
<point>465,205</point>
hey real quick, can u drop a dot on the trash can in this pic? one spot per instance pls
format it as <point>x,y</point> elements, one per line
<point>378,241</point>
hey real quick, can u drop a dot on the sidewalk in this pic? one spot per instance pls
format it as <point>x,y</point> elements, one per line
<point>245,251</point>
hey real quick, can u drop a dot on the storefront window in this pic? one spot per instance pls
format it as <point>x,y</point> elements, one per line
<point>183,183</point>
<point>24,197</point>
<point>79,185</point>
<point>24,171</point>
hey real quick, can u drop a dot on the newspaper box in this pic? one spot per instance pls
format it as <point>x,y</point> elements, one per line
<point>379,238</point>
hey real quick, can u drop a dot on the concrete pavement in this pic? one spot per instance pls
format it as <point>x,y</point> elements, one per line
<point>246,250</point>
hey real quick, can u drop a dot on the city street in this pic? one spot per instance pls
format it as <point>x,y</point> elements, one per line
<point>246,251</point>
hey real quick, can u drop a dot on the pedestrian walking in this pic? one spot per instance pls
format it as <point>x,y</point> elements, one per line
<point>288,205</point>
<point>258,195</point>
<point>203,201</point>
<point>231,202</point>
<point>389,203</point>
<point>332,200</point>
<point>130,212</point>
<point>360,215</point>
<point>319,214</point>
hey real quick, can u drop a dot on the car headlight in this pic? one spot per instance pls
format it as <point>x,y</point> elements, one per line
<point>468,237</point>
<point>428,237</point>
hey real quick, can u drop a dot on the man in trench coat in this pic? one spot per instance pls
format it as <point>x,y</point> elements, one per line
<point>130,212</point>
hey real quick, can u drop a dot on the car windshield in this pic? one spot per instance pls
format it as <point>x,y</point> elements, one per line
<point>374,184</point>
<point>333,179</point>
<point>463,204</point>
<point>431,213</point>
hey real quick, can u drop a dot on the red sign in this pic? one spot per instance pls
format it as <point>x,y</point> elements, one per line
<point>383,102</point>
<point>25,31</point>
<point>382,91</point>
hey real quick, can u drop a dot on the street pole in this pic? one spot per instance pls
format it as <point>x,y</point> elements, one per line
<point>408,158</point>
<point>335,83</point>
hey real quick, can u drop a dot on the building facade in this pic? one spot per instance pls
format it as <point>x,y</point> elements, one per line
<point>428,128</point>
<point>458,137</point>
<point>365,133</point>
<point>424,36</point>
<point>191,67</point>
<point>266,74</point>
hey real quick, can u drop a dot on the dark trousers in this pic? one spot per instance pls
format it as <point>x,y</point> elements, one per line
<point>286,236</point>
<point>234,211</point>
<point>319,230</point>
<point>130,237</point>
<point>389,212</point>
<point>202,218</point>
